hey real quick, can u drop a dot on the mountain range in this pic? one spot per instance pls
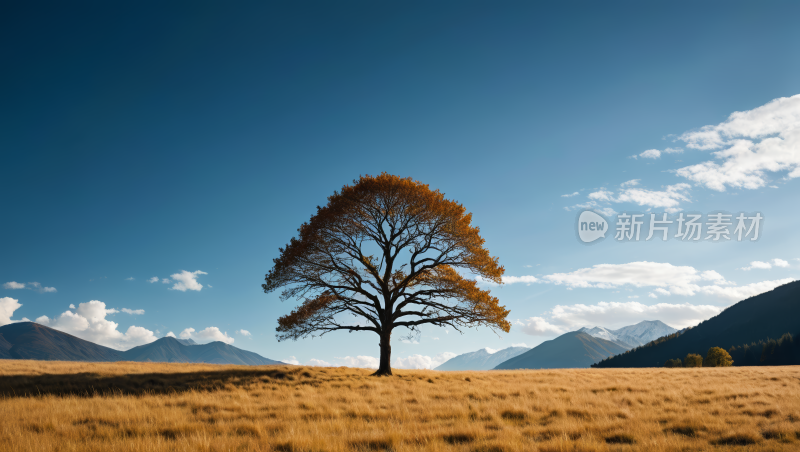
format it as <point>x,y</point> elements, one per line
<point>482,359</point>
<point>570,350</point>
<point>28,340</point>
<point>171,350</point>
<point>633,335</point>
<point>768,315</point>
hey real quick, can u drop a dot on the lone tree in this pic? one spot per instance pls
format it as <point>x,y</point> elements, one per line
<point>718,357</point>
<point>693,360</point>
<point>673,363</point>
<point>385,252</point>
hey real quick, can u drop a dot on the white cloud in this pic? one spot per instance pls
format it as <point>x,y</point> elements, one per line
<point>673,150</point>
<point>165,281</point>
<point>310,362</point>
<point>520,344</point>
<point>187,333</point>
<point>7,307</point>
<point>758,265</point>
<point>422,361</point>
<point>669,199</point>
<point>89,322</point>
<point>671,279</point>
<point>39,288</point>
<point>244,333</point>
<point>154,279</point>
<point>368,362</point>
<point>638,274</point>
<point>570,195</point>
<point>170,334</point>
<point>738,293</point>
<point>607,211</point>
<point>209,334</point>
<point>603,195</point>
<point>317,363</point>
<point>187,280</point>
<point>71,306</point>
<point>129,279</point>
<point>652,295</point>
<point>291,360</point>
<point>538,326</point>
<point>527,279</point>
<point>711,275</point>
<point>752,143</point>
<point>33,286</point>
<point>651,154</point>
<point>13,285</point>
<point>630,183</point>
<point>617,314</point>
<point>133,311</point>
<point>633,296</point>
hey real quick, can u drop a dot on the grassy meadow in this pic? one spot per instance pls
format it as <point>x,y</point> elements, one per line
<point>69,406</point>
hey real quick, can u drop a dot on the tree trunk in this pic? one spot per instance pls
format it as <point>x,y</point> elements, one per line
<point>385,367</point>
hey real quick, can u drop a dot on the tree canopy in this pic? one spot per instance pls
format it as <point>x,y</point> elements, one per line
<point>718,357</point>
<point>387,252</point>
<point>693,360</point>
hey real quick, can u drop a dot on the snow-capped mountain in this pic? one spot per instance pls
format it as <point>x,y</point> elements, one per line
<point>483,359</point>
<point>633,335</point>
<point>600,332</point>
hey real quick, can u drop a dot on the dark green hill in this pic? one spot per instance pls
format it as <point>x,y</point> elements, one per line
<point>771,314</point>
<point>28,340</point>
<point>570,350</point>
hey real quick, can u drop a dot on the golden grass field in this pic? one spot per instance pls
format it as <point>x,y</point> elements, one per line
<point>68,406</point>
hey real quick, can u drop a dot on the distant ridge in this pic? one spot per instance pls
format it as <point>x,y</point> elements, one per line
<point>171,350</point>
<point>768,315</point>
<point>571,350</point>
<point>482,359</point>
<point>28,340</point>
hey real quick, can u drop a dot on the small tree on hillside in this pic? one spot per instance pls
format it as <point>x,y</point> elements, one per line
<point>387,251</point>
<point>718,357</point>
<point>693,360</point>
<point>673,363</point>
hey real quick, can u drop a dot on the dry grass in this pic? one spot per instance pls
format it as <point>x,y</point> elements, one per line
<point>166,407</point>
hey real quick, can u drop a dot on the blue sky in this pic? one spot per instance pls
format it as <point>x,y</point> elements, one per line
<point>147,141</point>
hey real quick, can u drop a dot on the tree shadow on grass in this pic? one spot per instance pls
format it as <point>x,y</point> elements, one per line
<point>89,384</point>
